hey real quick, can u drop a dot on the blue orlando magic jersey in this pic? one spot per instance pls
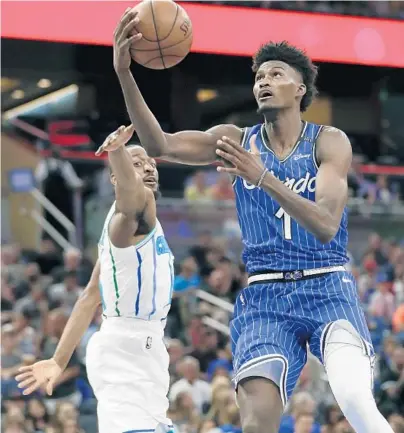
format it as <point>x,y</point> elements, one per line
<point>272,239</point>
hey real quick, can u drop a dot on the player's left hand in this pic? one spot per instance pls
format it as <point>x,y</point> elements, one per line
<point>247,165</point>
<point>116,139</point>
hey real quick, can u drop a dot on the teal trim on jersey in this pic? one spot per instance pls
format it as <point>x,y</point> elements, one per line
<point>102,296</point>
<point>146,239</point>
<point>154,279</point>
<point>115,281</point>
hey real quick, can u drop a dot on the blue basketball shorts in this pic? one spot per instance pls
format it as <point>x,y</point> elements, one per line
<point>275,323</point>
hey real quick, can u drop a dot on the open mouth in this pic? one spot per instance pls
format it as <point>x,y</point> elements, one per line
<point>264,95</point>
<point>150,182</point>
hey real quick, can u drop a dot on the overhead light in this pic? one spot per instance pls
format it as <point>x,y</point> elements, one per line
<point>205,95</point>
<point>44,83</point>
<point>18,94</point>
<point>41,101</point>
<point>8,84</point>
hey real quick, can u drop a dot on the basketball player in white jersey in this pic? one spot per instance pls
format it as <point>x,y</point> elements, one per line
<point>127,361</point>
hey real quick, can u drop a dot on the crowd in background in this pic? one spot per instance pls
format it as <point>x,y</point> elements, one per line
<point>39,289</point>
<point>385,9</point>
<point>381,190</point>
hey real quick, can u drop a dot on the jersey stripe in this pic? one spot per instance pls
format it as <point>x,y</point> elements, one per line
<point>139,281</point>
<point>115,280</point>
<point>154,279</point>
<point>171,283</point>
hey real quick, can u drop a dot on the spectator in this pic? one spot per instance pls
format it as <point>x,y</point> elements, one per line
<point>57,179</point>
<point>398,319</point>
<point>198,389</point>
<point>398,283</point>
<point>197,190</point>
<point>391,398</point>
<point>206,349</point>
<point>382,303</point>
<point>66,294</point>
<point>301,403</point>
<point>304,423</point>
<point>175,350</point>
<point>222,398</point>
<point>11,360</point>
<point>201,249</point>
<point>332,414</point>
<point>28,339</point>
<point>105,189</point>
<point>49,256</point>
<point>66,417</point>
<point>73,261</point>
<point>381,192</point>
<point>396,422</point>
<point>343,426</point>
<point>367,280</point>
<point>375,247</point>
<point>185,415</point>
<point>222,190</point>
<point>184,304</point>
<point>66,388</point>
<point>37,415</point>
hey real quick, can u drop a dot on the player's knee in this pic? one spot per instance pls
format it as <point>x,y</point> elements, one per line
<point>341,333</point>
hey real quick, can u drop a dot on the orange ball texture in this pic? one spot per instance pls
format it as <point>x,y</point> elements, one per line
<point>167,34</point>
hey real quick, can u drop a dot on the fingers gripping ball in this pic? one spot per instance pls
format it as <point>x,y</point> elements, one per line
<point>167,34</point>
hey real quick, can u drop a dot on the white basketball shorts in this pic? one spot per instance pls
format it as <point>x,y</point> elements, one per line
<point>127,366</point>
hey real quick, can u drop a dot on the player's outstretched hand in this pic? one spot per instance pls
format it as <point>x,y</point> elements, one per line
<point>124,36</point>
<point>116,139</point>
<point>245,164</point>
<point>41,373</point>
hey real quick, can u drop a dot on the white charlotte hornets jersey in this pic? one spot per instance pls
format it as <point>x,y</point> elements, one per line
<point>136,281</point>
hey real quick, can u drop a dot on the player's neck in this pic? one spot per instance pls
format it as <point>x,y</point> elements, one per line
<point>283,130</point>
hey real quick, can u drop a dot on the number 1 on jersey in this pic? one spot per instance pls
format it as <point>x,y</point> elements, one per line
<point>287,223</point>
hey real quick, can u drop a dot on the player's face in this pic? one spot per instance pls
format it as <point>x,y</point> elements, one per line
<point>277,86</point>
<point>145,167</point>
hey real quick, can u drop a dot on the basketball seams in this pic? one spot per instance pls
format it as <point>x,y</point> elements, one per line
<point>172,27</point>
<point>157,57</point>
<point>157,35</point>
<point>155,23</point>
<point>162,48</point>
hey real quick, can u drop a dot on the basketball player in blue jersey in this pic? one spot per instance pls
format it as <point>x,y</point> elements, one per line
<point>127,361</point>
<point>290,180</point>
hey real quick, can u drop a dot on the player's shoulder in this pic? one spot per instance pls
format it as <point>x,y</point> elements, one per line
<point>333,144</point>
<point>331,133</point>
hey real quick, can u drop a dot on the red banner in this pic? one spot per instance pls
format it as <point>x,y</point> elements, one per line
<point>227,30</point>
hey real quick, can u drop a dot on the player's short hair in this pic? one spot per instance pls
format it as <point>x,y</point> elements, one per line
<point>294,57</point>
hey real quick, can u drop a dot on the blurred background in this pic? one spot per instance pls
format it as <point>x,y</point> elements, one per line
<point>61,98</point>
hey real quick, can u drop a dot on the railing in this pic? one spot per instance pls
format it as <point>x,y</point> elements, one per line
<point>48,228</point>
<point>56,213</point>
<point>228,307</point>
<point>74,238</point>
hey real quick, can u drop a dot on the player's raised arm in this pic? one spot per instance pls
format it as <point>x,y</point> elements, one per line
<point>130,192</point>
<point>188,147</point>
<point>47,372</point>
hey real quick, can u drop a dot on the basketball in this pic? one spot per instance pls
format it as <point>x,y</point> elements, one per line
<point>167,34</point>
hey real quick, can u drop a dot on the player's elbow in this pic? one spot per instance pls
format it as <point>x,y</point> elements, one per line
<point>325,238</point>
<point>90,297</point>
<point>327,234</point>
